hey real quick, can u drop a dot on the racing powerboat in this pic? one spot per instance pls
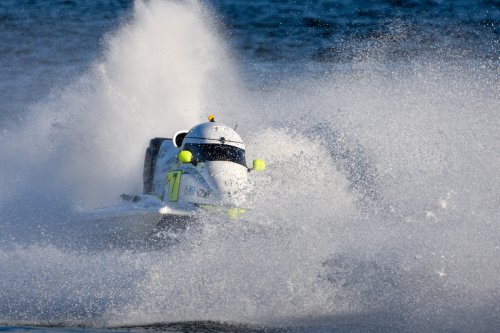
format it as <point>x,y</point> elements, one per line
<point>194,172</point>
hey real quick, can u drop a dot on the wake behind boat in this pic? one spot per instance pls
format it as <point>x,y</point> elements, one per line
<point>194,172</point>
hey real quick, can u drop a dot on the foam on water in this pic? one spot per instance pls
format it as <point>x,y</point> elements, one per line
<point>159,73</point>
<point>379,208</point>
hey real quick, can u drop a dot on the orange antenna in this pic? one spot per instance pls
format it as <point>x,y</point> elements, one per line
<point>211,118</point>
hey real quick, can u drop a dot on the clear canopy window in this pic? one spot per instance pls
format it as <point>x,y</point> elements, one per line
<point>216,152</point>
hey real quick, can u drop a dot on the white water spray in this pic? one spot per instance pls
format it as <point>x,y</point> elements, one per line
<point>379,207</point>
<point>160,72</point>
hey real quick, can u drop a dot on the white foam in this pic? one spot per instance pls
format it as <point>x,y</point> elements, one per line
<point>420,252</point>
<point>159,73</point>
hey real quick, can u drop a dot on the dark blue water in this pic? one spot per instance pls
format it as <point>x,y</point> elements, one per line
<point>338,31</point>
<point>45,45</point>
<point>378,119</point>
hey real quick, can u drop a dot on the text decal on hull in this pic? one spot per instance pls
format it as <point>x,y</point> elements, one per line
<point>174,180</point>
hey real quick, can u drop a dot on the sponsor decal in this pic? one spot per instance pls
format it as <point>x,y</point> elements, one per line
<point>202,193</point>
<point>189,190</point>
